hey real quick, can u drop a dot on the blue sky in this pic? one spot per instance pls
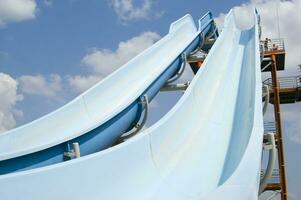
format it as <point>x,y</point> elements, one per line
<point>63,32</point>
<point>52,50</point>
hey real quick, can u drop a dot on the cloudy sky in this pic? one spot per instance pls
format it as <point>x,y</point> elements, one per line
<point>52,50</point>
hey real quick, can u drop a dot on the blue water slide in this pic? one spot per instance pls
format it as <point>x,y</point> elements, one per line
<point>207,147</point>
<point>99,116</point>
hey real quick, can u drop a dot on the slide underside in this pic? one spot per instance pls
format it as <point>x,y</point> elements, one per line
<point>208,146</point>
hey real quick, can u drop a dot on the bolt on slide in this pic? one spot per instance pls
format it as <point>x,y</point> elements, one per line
<point>208,146</point>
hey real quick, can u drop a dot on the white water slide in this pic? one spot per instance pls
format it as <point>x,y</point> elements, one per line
<point>96,119</point>
<point>208,146</point>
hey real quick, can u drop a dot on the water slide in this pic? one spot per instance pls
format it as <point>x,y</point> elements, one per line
<point>98,117</point>
<point>208,146</point>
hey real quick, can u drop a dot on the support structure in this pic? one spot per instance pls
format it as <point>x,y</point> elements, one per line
<point>281,158</point>
<point>289,89</point>
<point>273,60</point>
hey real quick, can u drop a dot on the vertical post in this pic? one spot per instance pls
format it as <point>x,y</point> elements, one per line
<point>281,159</point>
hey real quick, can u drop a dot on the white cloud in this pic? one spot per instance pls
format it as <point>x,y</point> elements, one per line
<point>16,10</point>
<point>127,10</point>
<point>104,61</point>
<point>40,85</point>
<point>82,83</point>
<point>48,3</point>
<point>8,100</point>
<point>289,22</point>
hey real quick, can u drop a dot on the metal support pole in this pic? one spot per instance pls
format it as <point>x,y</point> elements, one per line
<point>175,87</point>
<point>281,159</point>
<point>73,153</point>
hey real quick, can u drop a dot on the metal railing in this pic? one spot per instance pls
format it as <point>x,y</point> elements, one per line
<point>270,45</point>
<point>269,127</point>
<point>285,82</point>
<point>275,178</point>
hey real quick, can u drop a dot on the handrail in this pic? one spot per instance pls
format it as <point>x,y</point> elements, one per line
<point>201,25</point>
<point>274,177</point>
<point>271,45</point>
<point>285,82</point>
<point>269,127</point>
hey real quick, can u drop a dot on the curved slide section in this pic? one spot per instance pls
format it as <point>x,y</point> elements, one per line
<point>216,152</point>
<point>207,147</point>
<point>98,117</point>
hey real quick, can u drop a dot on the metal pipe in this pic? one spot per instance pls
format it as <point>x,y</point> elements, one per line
<point>175,87</point>
<point>145,106</point>
<point>269,64</point>
<point>266,59</point>
<point>76,149</point>
<point>212,33</point>
<point>271,146</point>
<point>200,45</point>
<point>181,70</point>
<point>74,152</point>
